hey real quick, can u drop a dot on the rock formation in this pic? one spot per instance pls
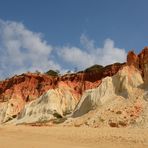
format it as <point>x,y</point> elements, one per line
<point>27,86</point>
<point>132,59</point>
<point>121,84</point>
<point>143,63</point>
<point>53,104</point>
<point>19,90</point>
<point>102,94</point>
<point>120,100</point>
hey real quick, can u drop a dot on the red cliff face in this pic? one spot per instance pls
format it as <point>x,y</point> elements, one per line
<point>143,64</point>
<point>18,90</point>
<point>132,59</point>
<point>82,81</point>
<point>30,86</point>
<point>139,61</point>
<point>21,89</point>
<point>26,86</point>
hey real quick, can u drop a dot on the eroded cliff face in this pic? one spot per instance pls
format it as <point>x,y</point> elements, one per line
<point>139,61</point>
<point>132,59</point>
<point>30,86</point>
<point>82,81</point>
<point>27,86</point>
<point>121,84</point>
<point>54,104</point>
<point>29,94</point>
<point>143,63</point>
<point>19,90</point>
<point>120,100</point>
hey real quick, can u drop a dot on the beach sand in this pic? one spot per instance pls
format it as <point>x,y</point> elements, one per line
<point>72,137</point>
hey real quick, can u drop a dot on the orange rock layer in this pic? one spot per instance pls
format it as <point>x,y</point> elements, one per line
<point>30,86</point>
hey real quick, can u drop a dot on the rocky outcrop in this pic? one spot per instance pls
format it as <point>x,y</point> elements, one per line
<point>27,86</point>
<point>53,104</point>
<point>34,97</point>
<point>120,100</point>
<point>30,86</point>
<point>19,90</point>
<point>85,80</point>
<point>132,59</point>
<point>117,102</point>
<point>139,61</point>
<point>120,84</point>
<point>143,64</point>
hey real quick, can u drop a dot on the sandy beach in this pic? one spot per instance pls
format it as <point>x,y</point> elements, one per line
<point>71,137</point>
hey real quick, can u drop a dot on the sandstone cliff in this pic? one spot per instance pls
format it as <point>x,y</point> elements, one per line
<point>20,90</point>
<point>31,97</point>
<point>120,100</point>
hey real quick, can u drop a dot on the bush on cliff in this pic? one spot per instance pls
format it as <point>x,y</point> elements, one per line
<point>52,73</point>
<point>94,68</point>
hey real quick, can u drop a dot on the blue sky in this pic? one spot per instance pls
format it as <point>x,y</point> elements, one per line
<point>69,33</point>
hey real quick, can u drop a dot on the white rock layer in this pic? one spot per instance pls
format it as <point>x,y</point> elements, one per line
<point>120,84</point>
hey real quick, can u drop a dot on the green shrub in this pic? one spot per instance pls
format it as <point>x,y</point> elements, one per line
<point>52,73</point>
<point>94,68</point>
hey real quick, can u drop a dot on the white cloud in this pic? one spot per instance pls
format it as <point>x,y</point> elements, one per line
<point>90,54</point>
<point>87,43</point>
<point>76,56</point>
<point>23,50</point>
